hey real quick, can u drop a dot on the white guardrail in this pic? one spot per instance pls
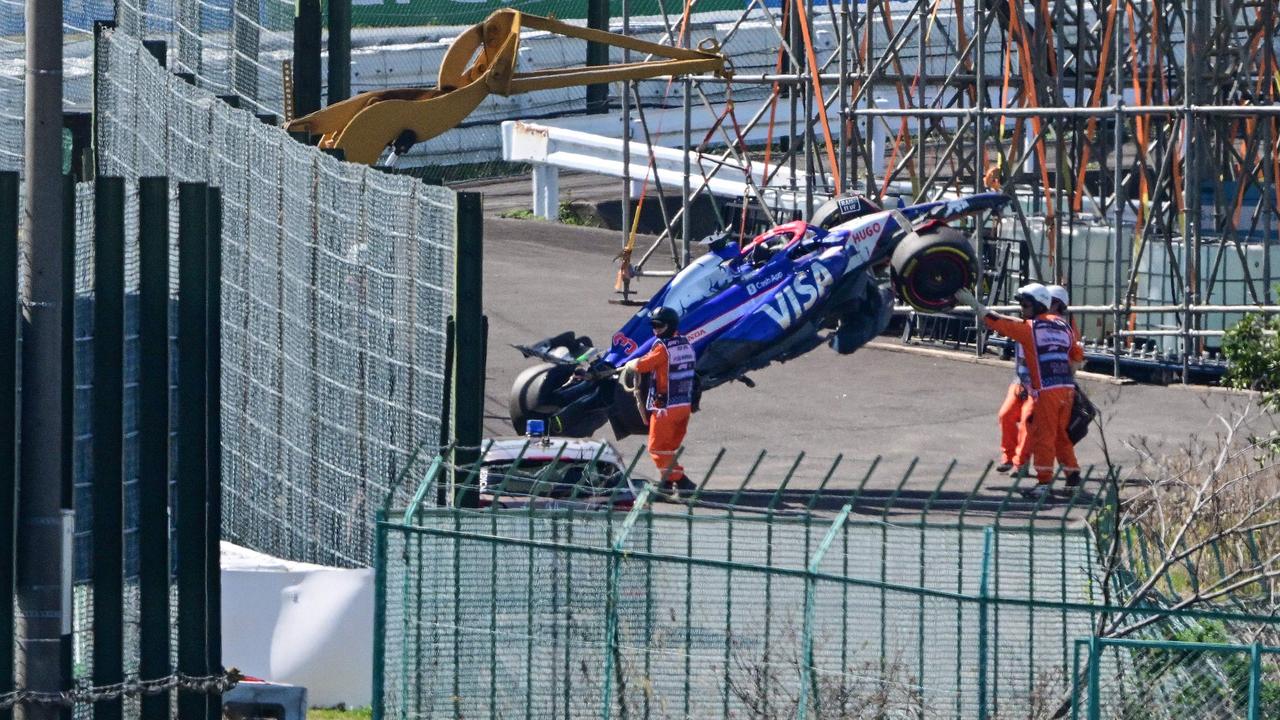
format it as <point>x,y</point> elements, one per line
<point>579,144</point>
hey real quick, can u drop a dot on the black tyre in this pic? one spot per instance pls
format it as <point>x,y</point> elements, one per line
<point>928,268</point>
<point>842,209</point>
<point>531,393</point>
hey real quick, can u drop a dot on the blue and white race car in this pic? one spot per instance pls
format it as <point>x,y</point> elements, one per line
<point>800,285</point>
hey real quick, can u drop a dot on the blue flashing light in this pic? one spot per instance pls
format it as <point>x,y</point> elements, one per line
<point>535,428</point>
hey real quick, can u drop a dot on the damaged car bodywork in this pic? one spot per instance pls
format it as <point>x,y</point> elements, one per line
<point>789,290</point>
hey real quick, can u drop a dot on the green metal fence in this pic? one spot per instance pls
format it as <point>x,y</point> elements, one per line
<point>862,597</point>
<point>1123,679</point>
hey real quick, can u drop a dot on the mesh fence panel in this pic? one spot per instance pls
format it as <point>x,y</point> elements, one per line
<point>12,66</point>
<point>501,613</point>
<point>1180,681</point>
<point>231,46</point>
<point>336,288</point>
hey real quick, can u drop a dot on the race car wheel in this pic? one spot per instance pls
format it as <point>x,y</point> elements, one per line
<point>530,394</point>
<point>928,268</point>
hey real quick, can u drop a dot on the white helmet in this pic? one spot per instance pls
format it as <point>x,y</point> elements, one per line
<point>1035,291</point>
<point>1059,293</point>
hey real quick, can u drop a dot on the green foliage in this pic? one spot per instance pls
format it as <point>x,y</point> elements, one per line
<point>1252,347</point>
<point>518,214</point>
<point>569,214</point>
<point>577,214</point>
<point>1254,355</point>
<point>339,713</point>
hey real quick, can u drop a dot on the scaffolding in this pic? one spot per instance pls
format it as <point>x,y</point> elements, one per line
<point>1137,138</point>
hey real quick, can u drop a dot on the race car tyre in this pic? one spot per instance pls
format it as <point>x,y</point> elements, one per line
<point>929,267</point>
<point>842,209</point>
<point>531,391</point>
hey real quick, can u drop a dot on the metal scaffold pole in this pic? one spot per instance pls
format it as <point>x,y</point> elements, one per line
<point>339,50</point>
<point>40,577</point>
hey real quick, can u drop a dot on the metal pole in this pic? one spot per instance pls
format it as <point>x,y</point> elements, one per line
<point>1117,202</point>
<point>598,54</point>
<point>685,226</point>
<point>339,50</point>
<point>843,92</point>
<point>8,420</point>
<point>793,40</point>
<point>987,537</point>
<point>626,148</point>
<point>1255,681</point>
<point>468,362</point>
<point>213,444</point>
<point>380,613</point>
<point>1060,145</point>
<point>193,656</point>
<point>980,90</point>
<point>809,152</point>
<point>1190,182</point>
<point>153,440</point>
<point>921,67</point>
<point>108,441</point>
<point>1095,677</point>
<point>307,27</point>
<point>40,621</point>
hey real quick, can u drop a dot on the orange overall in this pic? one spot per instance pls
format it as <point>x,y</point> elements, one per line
<point>1046,346</point>
<point>670,398</point>
<point>1017,407</point>
<point>1013,424</point>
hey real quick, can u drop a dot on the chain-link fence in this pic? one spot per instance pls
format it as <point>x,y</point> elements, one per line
<point>230,46</point>
<point>1121,679</point>
<point>337,287</point>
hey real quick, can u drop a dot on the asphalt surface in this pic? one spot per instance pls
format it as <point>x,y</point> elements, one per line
<point>926,413</point>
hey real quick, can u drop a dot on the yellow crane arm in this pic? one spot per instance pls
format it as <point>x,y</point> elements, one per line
<point>482,61</point>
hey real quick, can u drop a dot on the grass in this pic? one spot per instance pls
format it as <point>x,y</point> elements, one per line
<point>569,214</point>
<point>518,214</point>
<point>337,714</point>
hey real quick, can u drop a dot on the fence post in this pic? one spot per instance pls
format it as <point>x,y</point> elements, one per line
<point>1255,681</point>
<point>8,421</point>
<point>306,58</point>
<point>611,611</point>
<point>339,50</point>
<point>379,611</point>
<point>598,54</point>
<point>810,590</point>
<point>108,440</point>
<point>213,440</point>
<point>193,655</point>
<point>1095,704</point>
<point>153,440</point>
<point>988,537</point>
<point>1075,679</point>
<point>468,343</point>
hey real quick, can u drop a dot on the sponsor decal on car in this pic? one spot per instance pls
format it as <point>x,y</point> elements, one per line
<point>870,231</point>
<point>850,205</point>
<point>764,283</point>
<point>627,345</point>
<point>795,299</point>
